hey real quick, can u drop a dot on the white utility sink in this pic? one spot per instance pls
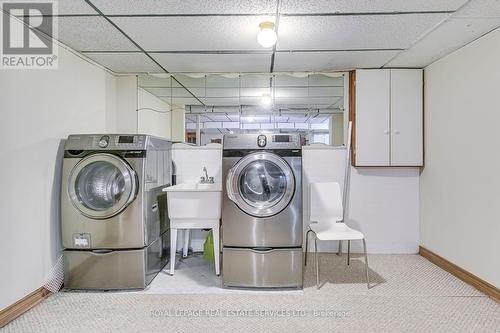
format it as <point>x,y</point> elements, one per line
<point>194,201</point>
<point>194,206</point>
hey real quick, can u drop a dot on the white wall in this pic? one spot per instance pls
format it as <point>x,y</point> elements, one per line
<point>39,108</point>
<point>383,203</point>
<point>122,118</point>
<point>154,116</point>
<point>460,184</point>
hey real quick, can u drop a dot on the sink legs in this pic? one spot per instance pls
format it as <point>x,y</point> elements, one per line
<point>186,226</point>
<point>215,232</point>
<point>185,247</point>
<point>173,248</point>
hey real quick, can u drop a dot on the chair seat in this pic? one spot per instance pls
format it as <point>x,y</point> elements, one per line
<point>329,230</point>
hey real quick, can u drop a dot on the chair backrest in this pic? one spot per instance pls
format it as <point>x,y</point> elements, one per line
<point>325,202</point>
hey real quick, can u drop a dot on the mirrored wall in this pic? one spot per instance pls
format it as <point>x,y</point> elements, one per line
<point>212,105</point>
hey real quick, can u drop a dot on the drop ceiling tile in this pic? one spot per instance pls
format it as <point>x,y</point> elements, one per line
<point>255,92</point>
<point>367,6</point>
<point>194,81</point>
<point>159,92</point>
<point>69,7</point>
<point>91,33</point>
<point>319,119</point>
<point>176,92</point>
<point>216,117</point>
<point>172,7</point>
<point>293,101</point>
<point>284,92</point>
<point>210,63</point>
<point>447,38</point>
<point>221,81</point>
<point>255,80</point>
<point>182,101</point>
<point>480,8</point>
<point>213,33</point>
<point>125,62</point>
<point>232,117</point>
<point>354,32</point>
<point>74,7</point>
<point>328,61</point>
<point>155,80</point>
<point>222,92</point>
<point>221,101</point>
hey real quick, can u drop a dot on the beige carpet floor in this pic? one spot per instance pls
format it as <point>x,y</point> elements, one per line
<point>410,294</point>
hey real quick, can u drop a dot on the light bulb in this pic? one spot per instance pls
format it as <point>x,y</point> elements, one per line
<point>266,99</point>
<point>267,36</point>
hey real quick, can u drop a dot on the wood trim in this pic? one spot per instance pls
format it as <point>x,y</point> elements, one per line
<point>15,310</point>
<point>469,278</point>
<point>352,114</point>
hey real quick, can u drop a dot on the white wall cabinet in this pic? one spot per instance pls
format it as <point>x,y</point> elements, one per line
<point>388,117</point>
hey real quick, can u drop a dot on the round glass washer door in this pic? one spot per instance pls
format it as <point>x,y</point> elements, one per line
<point>102,185</point>
<point>261,184</point>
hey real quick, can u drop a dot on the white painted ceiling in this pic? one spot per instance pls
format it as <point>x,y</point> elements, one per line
<point>138,36</point>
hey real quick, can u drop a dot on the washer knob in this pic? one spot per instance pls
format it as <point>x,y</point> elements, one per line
<point>103,143</point>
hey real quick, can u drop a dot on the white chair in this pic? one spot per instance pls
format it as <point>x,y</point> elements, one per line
<point>326,215</point>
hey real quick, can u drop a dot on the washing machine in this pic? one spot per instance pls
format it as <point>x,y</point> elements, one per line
<point>114,224</point>
<point>262,211</point>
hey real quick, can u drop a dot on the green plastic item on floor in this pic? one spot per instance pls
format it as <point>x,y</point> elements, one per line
<point>208,247</point>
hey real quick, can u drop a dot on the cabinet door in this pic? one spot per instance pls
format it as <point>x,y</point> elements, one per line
<point>406,117</point>
<point>372,117</point>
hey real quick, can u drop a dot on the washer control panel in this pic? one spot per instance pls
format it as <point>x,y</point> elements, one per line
<point>118,142</point>
<point>129,141</point>
<point>285,140</point>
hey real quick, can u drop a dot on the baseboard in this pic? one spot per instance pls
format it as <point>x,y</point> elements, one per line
<point>15,310</point>
<point>469,278</point>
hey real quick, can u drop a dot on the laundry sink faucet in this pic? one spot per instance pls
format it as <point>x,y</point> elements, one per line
<point>205,179</point>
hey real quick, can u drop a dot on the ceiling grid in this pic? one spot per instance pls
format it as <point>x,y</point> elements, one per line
<point>133,36</point>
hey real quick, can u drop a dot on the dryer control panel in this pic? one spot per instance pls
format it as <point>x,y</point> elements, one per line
<point>262,141</point>
<point>106,142</point>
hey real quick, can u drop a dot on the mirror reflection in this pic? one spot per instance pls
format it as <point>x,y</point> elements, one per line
<point>211,105</point>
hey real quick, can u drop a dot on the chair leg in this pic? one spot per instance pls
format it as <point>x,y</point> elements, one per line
<point>348,252</point>
<point>307,239</point>
<point>366,264</point>
<point>339,252</point>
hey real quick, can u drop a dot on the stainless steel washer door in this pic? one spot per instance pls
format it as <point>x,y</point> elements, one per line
<point>102,185</point>
<point>261,184</point>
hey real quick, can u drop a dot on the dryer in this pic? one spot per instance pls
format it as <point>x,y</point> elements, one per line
<point>113,211</point>
<point>262,211</point>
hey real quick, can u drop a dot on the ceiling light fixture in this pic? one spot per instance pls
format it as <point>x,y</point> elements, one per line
<point>267,36</point>
<point>266,100</point>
